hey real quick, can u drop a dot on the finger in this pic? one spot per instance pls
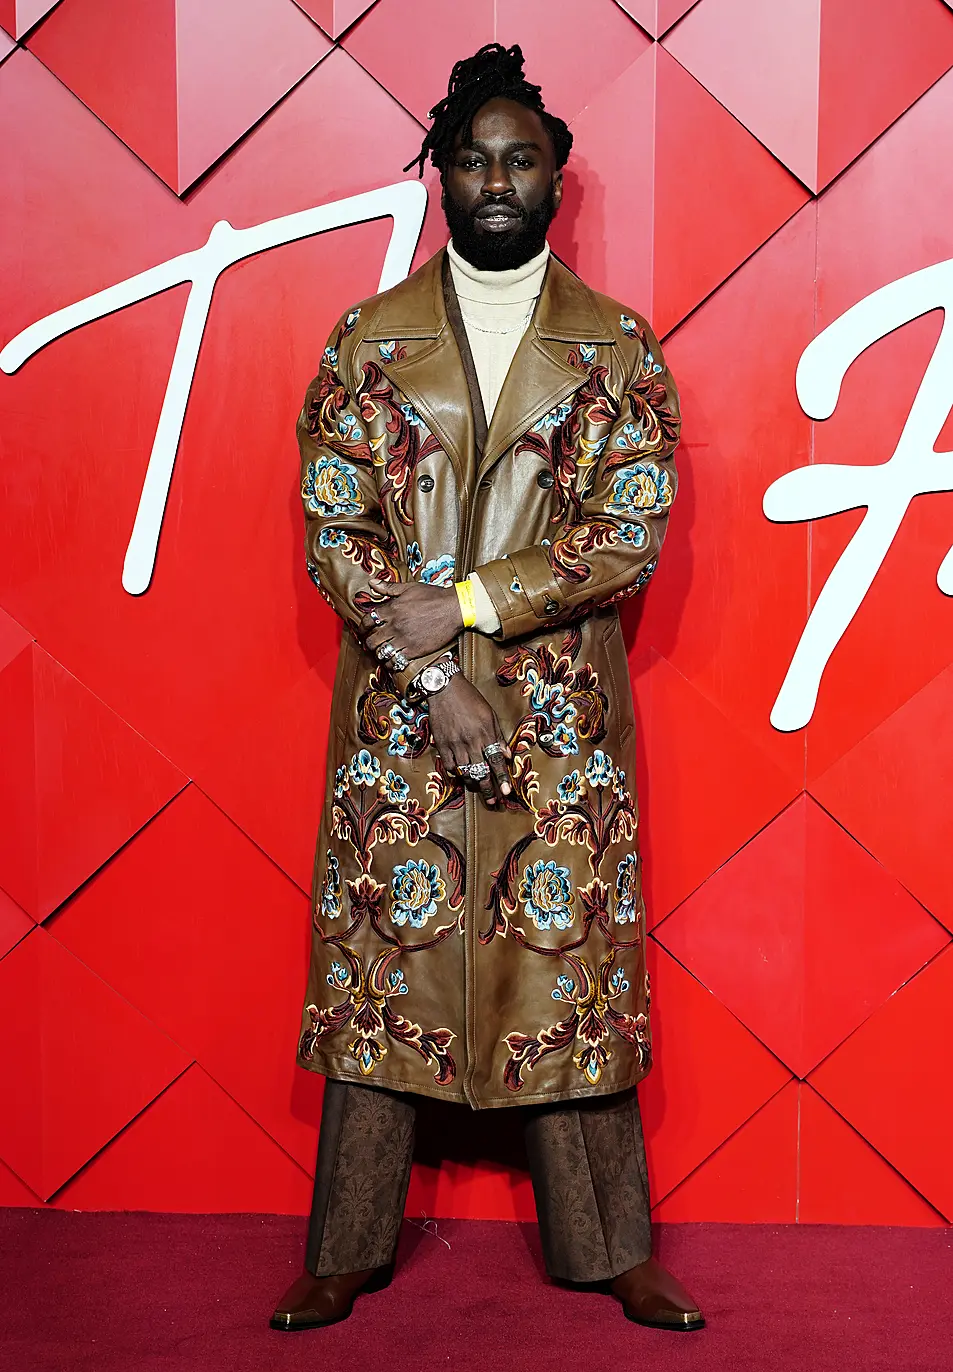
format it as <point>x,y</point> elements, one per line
<point>388,588</point>
<point>500,773</point>
<point>368,624</point>
<point>378,636</point>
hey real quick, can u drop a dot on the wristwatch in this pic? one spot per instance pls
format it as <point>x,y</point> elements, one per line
<point>436,676</point>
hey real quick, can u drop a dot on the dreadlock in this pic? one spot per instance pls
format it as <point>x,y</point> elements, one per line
<point>493,72</point>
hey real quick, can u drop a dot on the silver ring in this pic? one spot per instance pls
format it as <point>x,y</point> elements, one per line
<point>398,662</point>
<point>476,771</point>
<point>494,749</point>
<point>385,652</point>
<point>375,618</point>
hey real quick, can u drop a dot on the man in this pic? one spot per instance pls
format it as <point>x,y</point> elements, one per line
<point>486,471</point>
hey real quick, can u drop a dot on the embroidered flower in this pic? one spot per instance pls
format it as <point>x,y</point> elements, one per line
<point>339,977</point>
<point>396,986</point>
<point>352,319</point>
<point>630,437</point>
<point>626,890</point>
<point>439,570</point>
<point>564,738</point>
<point>415,889</point>
<point>555,417</point>
<point>394,788</point>
<point>331,357</point>
<point>571,788</point>
<point>388,349</point>
<point>515,585</point>
<point>341,783</point>
<point>587,352</point>
<point>332,538</point>
<point>617,982</point>
<point>412,417</point>
<point>547,895</point>
<point>629,326</point>
<point>618,782</point>
<point>330,488</point>
<point>348,428</point>
<point>599,769</point>
<point>632,533</point>
<point>644,577</point>
<point>565,989</point>
<point>313,574</point>
<point>367,1053</point>
<point>364,768</point>
<point>331,890</point>
<point>414,556</point>
<point>643,489</point>
<point>406,737</point>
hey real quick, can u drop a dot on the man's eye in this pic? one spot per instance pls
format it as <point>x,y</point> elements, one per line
<point>522,162</point>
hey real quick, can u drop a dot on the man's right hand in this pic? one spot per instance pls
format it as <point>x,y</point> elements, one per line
<point>462,725</point>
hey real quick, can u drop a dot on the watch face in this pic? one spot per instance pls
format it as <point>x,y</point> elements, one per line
<point>432,678</point>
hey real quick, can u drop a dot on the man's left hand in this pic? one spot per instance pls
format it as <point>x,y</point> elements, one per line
<point>415,619</point>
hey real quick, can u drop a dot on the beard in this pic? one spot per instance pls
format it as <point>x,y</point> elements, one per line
<point>499,252</point>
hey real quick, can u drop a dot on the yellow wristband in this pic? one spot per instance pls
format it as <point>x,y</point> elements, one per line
<point>467,599</point>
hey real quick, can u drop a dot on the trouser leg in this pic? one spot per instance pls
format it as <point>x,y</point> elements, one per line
<point>365,1150</point>
<point>587,1161</point>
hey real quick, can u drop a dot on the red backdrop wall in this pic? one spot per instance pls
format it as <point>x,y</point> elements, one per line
<point>743,173</point>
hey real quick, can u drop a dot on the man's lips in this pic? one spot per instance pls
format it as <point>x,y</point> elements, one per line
<point>497,217</point>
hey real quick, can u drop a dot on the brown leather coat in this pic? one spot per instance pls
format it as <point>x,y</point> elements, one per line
<point>491,957</point>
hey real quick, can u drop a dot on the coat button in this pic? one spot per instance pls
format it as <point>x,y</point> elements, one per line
<point>550,607</point>
<point>545,479</point>
<point>485,484</point>
<point>425,483</point>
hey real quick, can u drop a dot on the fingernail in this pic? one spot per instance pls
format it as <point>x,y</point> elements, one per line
<point>505,789</point>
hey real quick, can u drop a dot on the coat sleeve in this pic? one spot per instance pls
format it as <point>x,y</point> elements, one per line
<point>346,538</point>
<point>615,490</point>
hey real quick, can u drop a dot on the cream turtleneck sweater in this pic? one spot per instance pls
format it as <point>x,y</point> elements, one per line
<point>496,309</point>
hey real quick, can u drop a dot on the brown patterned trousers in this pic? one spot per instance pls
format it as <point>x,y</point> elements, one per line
<point>586,1159</point>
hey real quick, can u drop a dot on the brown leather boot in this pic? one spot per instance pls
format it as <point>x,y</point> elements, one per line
<point>651,1295</point>
<point>311,1302</point>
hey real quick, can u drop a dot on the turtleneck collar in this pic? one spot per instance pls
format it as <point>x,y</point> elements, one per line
<point>498,288</point>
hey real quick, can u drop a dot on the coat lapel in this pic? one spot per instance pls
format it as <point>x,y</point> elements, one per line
<point>539,377</point>
<point>433,377</point>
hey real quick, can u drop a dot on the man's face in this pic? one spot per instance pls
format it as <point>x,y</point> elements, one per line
<point>502,188</point>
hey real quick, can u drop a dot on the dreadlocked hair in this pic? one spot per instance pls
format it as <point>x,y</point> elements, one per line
<point>493,72</point>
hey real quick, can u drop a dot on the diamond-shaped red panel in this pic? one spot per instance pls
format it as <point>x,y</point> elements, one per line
<point>710,1074</point>
<point>195,925</point>
<point>890,1081</point>
<point>656,16</point>
<point>815,82</point>
<point>195,1151</point>
<point>19,16</point>
<point>76,782</point>
<point>179,83</point>
<point>892,791</point>
<point>692,163</point>
<point>76,1058</point>
<point>751,1178</point>
<point>704,787</point>
<point>842,1180</point>
<point>802,935</point>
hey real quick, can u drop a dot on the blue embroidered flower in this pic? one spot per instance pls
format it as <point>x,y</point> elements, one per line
<point>339,977</point>
<point>571,788</point>
<point>341,783</point>
<point>547,895</point>
<point>629,326</point>
<point>618,782</point>
<point>515,585</point>
<point>565,989</point>
<point>617,982</point>
<point>563,737</point>
<point>388,349</point>
<point>330,488</point>
<point>555,417</point>
<point>632,533</point>
<point>364,768</point>
<point>643,489</point>
<point>406,736</point>
<point>394,788</point>
<point>412,417</point>
<point>626,890</point>
<point>599,769</point>
<point>415,889</point>
<point>331,890</point>
<point>396,986</point>
<point>331,357</point>
<point>349,429</point>
<point>644,577</point>
<point>367,1054</point>
<point>630,437</point>
<point>439,570</point>
<point>332,538</point>
<point>651,363</point>
<point>313,574</point>
<point>587,353</point>
<point>352,319</point>
<point>414,556</point>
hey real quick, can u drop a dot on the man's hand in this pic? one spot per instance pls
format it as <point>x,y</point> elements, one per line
<point>462,726</point>
<point>415,619</point>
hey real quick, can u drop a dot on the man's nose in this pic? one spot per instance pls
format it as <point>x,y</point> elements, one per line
<point>497,180</point>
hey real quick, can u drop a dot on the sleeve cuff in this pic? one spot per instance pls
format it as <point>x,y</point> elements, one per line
<point>523,591</point>
<point>487,620</point>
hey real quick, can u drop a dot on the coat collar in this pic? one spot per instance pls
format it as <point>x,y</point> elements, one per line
<point>434,378</point>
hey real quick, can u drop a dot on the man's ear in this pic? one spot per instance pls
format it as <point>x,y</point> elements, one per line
<point>558,189</point>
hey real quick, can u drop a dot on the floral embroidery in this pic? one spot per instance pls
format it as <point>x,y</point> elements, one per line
<point>383,715</point>
<point>350,321</point>
<point>416,889</point>
<point>332,538</point>
<point>630,437</point>
<point>330,488</point>
<point>571,788</point>
<point>364,768</point>
<point>597,817</point>
<point>391,351</point>
<point>633,533</point>
<point>408,440</point>
<point>554,418</point>
<point>394,788</point>
<point>331,890</point>
<point>412,417</point>
<point>643,489</point>
<point>566,703</point>
<point>627,890</point>
<point>414,557</point>
<point>331,356</point>
<point>516,585</point>
<point>547,895</point>
<point>582,356</point>
<point>439,570</point>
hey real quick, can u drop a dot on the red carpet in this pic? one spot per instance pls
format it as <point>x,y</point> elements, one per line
<point>180,1293</point>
